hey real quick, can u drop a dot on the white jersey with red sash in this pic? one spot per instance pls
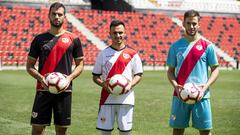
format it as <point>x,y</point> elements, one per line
<point>110,62</point>
<point>191,60</point>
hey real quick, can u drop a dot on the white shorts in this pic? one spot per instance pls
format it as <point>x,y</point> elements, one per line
<point>123,114</point>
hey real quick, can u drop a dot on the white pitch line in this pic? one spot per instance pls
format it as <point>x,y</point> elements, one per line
<point>17,125</point>
<point>13,123</point>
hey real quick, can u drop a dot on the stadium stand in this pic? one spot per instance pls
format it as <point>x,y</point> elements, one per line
<point>66,2</point>
<point>213,6</point>
<point>147,32</point>
<point>222,31</point>
<point>150,33</point>
<point>20,24</point>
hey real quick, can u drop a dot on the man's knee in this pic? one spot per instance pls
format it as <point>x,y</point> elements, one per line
<point>60,130</point>
<point>205,132</point>
<point>37,130</point>
<point>178,131</point>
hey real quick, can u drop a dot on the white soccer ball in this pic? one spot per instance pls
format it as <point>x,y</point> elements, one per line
<point>117,84</point>
<point>190,93</point>
<point>57,82</point>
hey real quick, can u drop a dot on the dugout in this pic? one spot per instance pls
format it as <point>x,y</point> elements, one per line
<point>111,5</point>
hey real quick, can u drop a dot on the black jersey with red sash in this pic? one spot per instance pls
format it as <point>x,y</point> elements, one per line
<point>55,53</point>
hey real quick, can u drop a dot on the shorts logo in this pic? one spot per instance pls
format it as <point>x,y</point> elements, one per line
<point>65,40</point>
<point>173,117</point>
<point>130,122</point>
<point>34,114</point>
<point>126,56</point>
<point>199,47</point>
<point>103,119</point>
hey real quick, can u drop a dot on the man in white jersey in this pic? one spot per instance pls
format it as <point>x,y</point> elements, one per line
<point>117,59</point>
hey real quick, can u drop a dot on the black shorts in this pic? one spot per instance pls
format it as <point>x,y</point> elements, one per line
<point>45,103</point>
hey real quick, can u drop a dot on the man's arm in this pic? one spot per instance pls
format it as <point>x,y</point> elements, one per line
<point>77,71</point>
<point>97,79</point>
<point>34,73</point>
<point>136,79</point>
<point>213,77</point>
<point>172,79</point>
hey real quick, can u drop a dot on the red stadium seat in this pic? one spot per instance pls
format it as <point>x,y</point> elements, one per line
<point>149,33</point>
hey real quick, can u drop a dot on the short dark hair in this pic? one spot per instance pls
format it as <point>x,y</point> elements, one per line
<point>191,13</point>
<point>115,23</point>
<point>57,5</point>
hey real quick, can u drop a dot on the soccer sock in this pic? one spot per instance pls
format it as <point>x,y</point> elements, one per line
<point>106,132</point>
<point>124,133</point>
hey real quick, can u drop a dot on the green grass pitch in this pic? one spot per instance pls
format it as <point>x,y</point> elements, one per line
<point>152,105</point>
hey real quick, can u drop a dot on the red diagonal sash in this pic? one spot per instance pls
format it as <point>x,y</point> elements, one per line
<point>190,61</point>
<point>118,68</point>
<point>55,56</point>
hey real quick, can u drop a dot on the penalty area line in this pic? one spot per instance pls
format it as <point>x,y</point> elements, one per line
<point>12,124</point>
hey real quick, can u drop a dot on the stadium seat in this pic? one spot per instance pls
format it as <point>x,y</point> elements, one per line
<point>149,33</point>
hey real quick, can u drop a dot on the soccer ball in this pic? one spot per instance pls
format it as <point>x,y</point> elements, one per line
<point>117,84</point>
<point>190,93</point>
<point>56,82</point>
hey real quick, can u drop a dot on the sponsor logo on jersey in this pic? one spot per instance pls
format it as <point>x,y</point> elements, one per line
<point>180,56</point>
<point>107,66</point>
<point>109,56</point>
<point>46,41</point>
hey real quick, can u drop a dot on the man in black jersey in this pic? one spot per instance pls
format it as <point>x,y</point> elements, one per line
<point>54,50</point>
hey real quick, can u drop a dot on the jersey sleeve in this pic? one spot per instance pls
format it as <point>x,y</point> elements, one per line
<point>137,65</point>
<point>77,49</point>
<point>212,56</point>
<point>34,49</point>
<point>97,69</point>
<point>171,60</point>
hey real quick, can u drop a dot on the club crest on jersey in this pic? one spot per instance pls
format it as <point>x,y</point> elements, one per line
<point>65,40</point>
<point>199,47</point>
<point>126,55</point>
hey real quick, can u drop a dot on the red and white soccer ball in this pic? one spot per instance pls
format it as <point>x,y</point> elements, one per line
<point>57,82</point>
<point>117,84</point>
<point>190,93</point>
